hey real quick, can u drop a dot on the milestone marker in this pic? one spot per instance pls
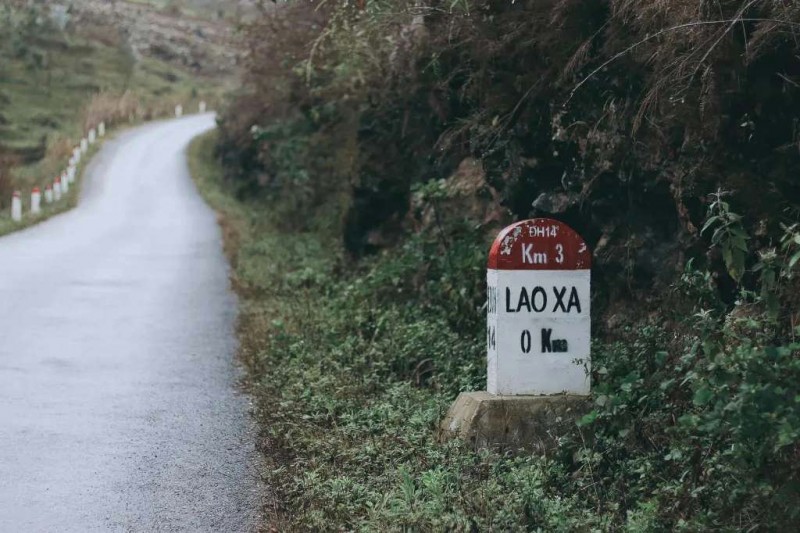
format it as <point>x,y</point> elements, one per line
<point>57,189</point>
<point>538,310</point>
<point>48,194</point>
<point>36,201</point>
<point>16,207</point>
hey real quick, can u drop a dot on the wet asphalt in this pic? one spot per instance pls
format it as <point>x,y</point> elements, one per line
<point>119,401</point>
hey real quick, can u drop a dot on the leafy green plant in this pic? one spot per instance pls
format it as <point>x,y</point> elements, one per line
<point>728,235</point>
<point>790,245</point>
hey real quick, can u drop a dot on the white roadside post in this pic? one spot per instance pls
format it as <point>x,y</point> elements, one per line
<point>57,189</point>
<point>101,129</point>
<point>16,207</point>
<point>202,106</point>
<point>64,184</point>
<point>71,174</point>
<point>76,155</point>
<point>36,201</point>
<point>84,145</point>
<point>178,111</point>
<point>538,336</point>
<point>92,136</point>
<point>48,194</point>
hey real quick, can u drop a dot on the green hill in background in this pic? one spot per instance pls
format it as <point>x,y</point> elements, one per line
<point>58,67</point>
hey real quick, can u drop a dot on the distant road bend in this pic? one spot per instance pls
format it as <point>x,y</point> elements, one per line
<point>119,408</point>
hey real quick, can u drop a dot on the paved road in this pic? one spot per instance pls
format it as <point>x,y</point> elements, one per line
<point>119,408</point>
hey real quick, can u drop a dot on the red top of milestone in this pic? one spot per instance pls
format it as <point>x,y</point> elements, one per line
<point>539,244</point>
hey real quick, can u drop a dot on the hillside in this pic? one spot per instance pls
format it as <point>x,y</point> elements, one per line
<point>196,36</point>
<point>378,149</point>
<point>64,68</point>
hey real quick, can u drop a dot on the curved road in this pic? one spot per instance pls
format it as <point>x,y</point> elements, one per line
<point>119,407</point>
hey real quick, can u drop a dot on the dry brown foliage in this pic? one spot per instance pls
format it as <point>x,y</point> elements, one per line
<point>637,109</point>
<point>110,108</point>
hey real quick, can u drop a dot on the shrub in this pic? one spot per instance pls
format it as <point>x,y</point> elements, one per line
<point>110,108</point>
<point>626,119</point>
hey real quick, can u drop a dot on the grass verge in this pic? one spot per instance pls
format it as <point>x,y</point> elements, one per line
<point>351,377</point>
<point>694,427</point>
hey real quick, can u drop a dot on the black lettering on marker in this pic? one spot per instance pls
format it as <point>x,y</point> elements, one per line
<point>525,341</point>
<point>546,346</point>
<point>560,299</point>
<point>524,301</point>
<point>574,300</point>
<point>508,301</point>
<point>536,300</point>
<point>550,345</point>
<point>537,291</point>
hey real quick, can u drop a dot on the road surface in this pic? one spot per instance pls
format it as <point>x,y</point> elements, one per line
<point>119,406</point>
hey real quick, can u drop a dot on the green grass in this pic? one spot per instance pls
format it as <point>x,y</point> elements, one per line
<point>67,202</point>
<point>48,77</point>
<point>47,80</point>
<point>352,374</point>
<point>47,102</point>
<point>353,364</point>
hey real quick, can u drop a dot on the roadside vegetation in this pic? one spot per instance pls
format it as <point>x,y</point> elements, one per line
<point>372,155</point>
<point>57,81</point>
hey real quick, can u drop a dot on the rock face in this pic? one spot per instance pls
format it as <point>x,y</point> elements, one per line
<point>465,194</point>
<point>204,46</point>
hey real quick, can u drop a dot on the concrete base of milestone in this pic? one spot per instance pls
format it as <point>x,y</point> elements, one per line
<point>530,422</point>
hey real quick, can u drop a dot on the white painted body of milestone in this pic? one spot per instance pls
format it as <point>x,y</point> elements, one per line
<point>539,311</point>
